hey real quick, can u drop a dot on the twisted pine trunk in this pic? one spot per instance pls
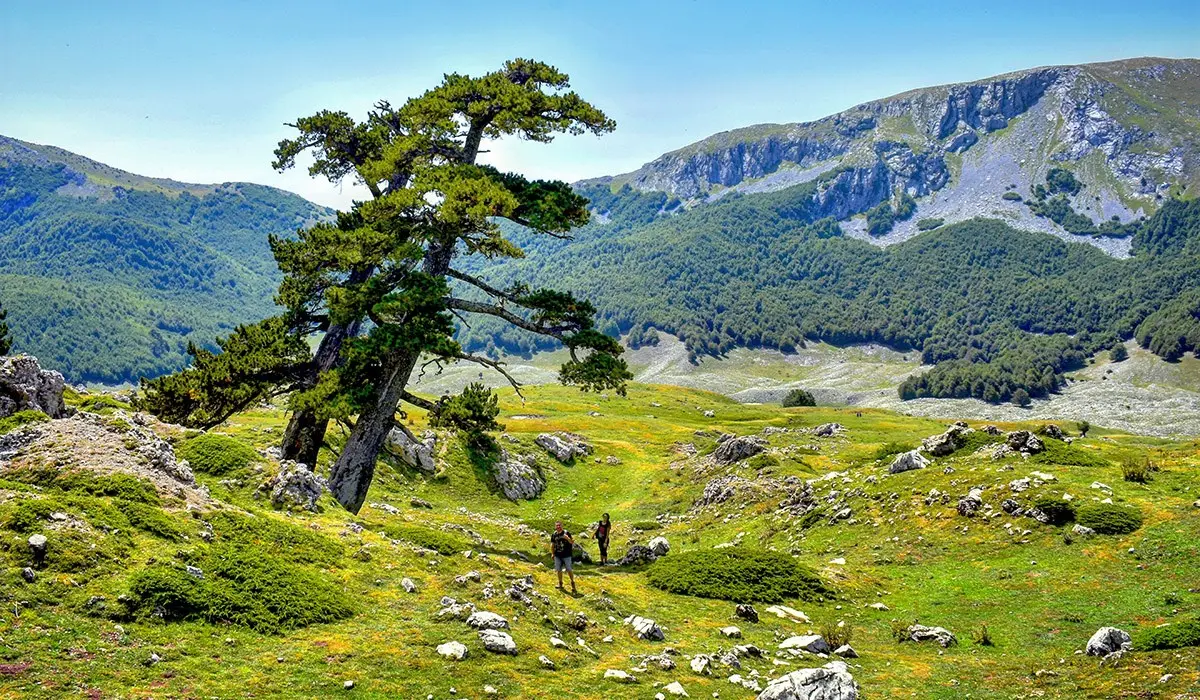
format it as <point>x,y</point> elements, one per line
<point>351,475</point>
<point>305,432</point>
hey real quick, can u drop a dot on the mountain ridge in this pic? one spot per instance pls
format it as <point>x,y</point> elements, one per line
<point>108,275</point>
<point>1128,129</point>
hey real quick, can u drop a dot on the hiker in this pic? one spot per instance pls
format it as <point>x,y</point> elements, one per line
<point>603,531</point>
<point>562,545</point>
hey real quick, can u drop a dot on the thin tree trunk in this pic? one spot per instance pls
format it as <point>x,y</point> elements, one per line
<point>305,432</point>
<point>351,475</point>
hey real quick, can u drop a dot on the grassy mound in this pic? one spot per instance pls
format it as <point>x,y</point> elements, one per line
<point>240,585</point>
<point>215,454</point>
<point>125,487</point>
<point>440,542</point>
<point>1109,519</point>
<point>1174,636</point>
<point>20,418</point>
<point>735,574</point>
<point>1060,453</point>
<point>1058,510</point>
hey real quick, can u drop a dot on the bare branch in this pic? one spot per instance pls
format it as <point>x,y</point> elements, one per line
<point>494,365</point>
<point>481,285</point>
<point>500,312</point>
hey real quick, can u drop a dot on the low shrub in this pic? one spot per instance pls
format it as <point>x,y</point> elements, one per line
<point>1109,519</point>
<point>736,574</point>
<point>244,586</point>
<point>440,542</point>
<point>1062,454</point>
<point>798,397</point>
<point>1136,470</point>
<point>21,418</point>
<point>101,404</point>
<point>210,453</point>
<point>835,636</point>
<point>28,514</point>
<point>1173,636</point>
<point>762,461</point>
<point>929,224</point>
<point>1058,510</point>
<point>1011,196</point>
<point>983,637</point>
<point>151,519</point>
<point>889,450</point>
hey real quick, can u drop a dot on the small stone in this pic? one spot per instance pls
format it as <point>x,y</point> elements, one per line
<point>28,574</point>
<point>545,661</point>
<point>619,676</point>
<point>453,650</point>
<point>408,585</point>
<point>676,689</point>
<point>731,632</point>
<point>348,685</point>
<point>846,652</point>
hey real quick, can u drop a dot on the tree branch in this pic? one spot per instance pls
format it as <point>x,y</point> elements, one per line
<point>476,307</point>
<point>417,401</point>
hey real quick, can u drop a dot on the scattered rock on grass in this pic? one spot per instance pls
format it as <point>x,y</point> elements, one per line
<point>908,461</point>
<point>645,628</point>
<point>812,643</point>
<point>733,449</point>
<point>1107,640</point>
<point>453,650</point>
<point>619,676</point>
<point>746,612</point>
<point>484,620</point>
<point>497,642</point>
<point>941,635</point>
<point>564,446</point>
<point>829,682</point>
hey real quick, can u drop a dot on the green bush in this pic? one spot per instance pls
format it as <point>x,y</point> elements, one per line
<point>1060,453</point>
<point>890,449</point>
<point>440,542</point>
<point>736,574</point>
<point>929,224</point>
<point>1118,353</point>
<point>1109,519</point>
<point>28,514</point>
<point>762,461</point>
<point>1011,196</point>
<point>1173,636</point>
<point>798,397</point>
<point>21,418</point>
<point>244,586</point>
<point>215,454</point>
<point>1059,511</point>
<point>101,404</point>
<point>1063,180</point>
<point>1135,470</point>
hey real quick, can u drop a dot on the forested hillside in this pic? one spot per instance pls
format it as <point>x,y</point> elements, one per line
<point>997,308</point>
<point>107,276</point>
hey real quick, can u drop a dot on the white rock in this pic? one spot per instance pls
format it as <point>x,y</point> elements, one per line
<point>731,632</point>
<point>484,620</point>
<point>787,613</point>
<point>659,546</point>
<point>1106,640</point>
<point>619,676</point>
<point>829,682</point>
<point>812,643</point>
<point>453,650</point>
<point>676,689</point>
<point>497,642</point>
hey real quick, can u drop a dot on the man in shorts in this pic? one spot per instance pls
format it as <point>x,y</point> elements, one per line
<point>561,546</point>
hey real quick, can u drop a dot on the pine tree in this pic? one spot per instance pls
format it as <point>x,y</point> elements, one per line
<point>5,339</point>
<point>389,264</point>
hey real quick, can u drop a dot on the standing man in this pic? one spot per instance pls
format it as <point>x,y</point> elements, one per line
<point>561,545</point>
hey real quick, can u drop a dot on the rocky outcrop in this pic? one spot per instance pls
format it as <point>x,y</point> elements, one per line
<point>1024,441</point>
<point>415,452</point>
<point>25,386</point>
<point>733,449</point>
<point>563,446</point>
<point>908,461</point>
<point>829,682</point>
<point>645,628</point>
<point>518,478</point>
<point>941,635</point>
<point>294,486</point>
<point>1107,640</point>
<point>947,442</point>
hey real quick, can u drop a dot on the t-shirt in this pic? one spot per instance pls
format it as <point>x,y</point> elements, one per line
<point>562,546</point>
<point>602,531</point>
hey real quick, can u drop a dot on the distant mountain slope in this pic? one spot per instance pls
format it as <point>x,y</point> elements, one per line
<point>1128,130</point>
<point>746,239</point>
<point>107,275</point>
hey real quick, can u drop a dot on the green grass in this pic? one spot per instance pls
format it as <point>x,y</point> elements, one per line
<point>1109,519</point>
<point>325,596</point>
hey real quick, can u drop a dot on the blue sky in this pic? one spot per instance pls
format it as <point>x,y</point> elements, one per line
<point>199,91</point>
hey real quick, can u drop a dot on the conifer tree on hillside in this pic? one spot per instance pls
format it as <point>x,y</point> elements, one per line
<point>390,265</point>
<point>5,339</point>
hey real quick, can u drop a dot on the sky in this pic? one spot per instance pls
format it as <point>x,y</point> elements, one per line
<point>200,91</point>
